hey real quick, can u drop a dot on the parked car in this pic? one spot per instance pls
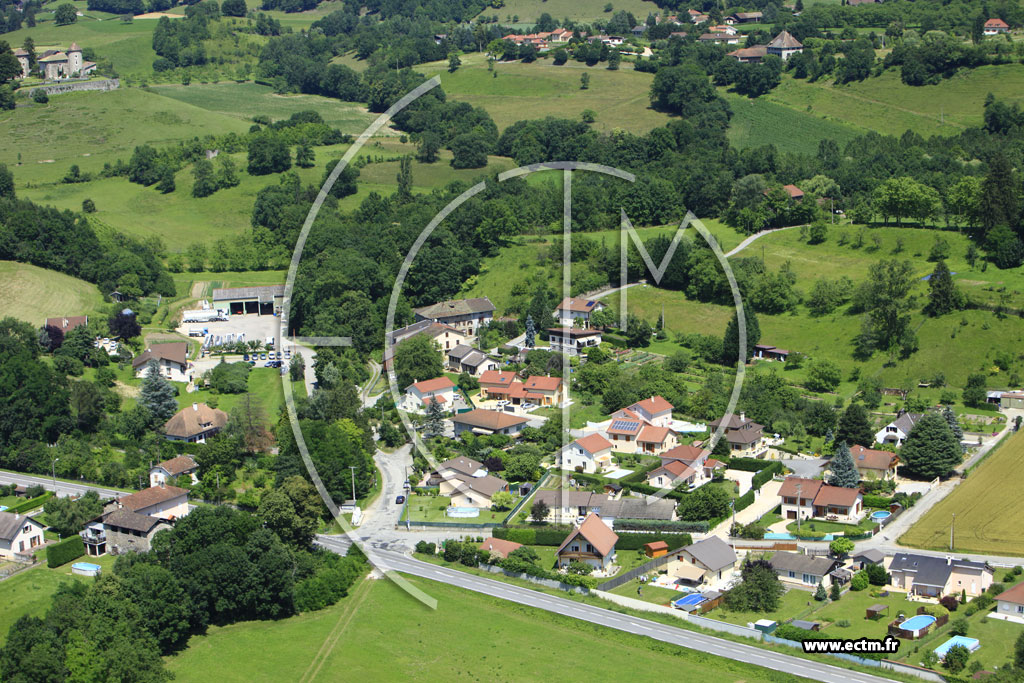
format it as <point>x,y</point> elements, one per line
<point>263,356</point>
<point>399,500</point>
<point>245,356</point>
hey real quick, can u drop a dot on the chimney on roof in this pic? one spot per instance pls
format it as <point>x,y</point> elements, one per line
<point>163,483</point>
<point>743,416</point>
<point>195,407</point>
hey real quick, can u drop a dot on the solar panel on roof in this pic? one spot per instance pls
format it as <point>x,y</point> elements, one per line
<point>623,424</point>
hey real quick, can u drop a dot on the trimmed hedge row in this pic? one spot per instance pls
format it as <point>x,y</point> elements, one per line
<point>750,464</point>
<point>873,501</point>
<point>766,475</point>
<point>744,501</point>
<point>554,535</point>
<point>30,504</point>
<point>660,525</point>
<point>70,548</point>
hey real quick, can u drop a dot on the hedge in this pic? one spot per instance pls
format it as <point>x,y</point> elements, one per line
<point>744,501</point>
<point>873,501</point>
<point>70,548</point>
<point>750,464</point>
<point>765,475</point>
<point>661,525</point>
<point>555,535</point>
<point>30,504</point>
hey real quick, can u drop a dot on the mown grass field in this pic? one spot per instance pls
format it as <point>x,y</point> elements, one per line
<point>179,219</point>
<point>528,11</point>
<point>886,105</point>
<point>33,294</point>
<point>989,518</point>
<point>245,100</point>
<point>469,637</point>
<point>91,128</point>
<point>534,91</point>
<point>758,121</point>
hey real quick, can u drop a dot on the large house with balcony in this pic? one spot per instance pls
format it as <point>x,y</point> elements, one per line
<point>573,340</point>
<point>589,454</point>
<point>419,395</point>
<point>934,577</point>
<point>465,315</point>
<point>195,423</point>
<point>814,499</point>
<point>631,432</point>
<point>171,360</point>
<point>593,543</point>
<point>745,437</point>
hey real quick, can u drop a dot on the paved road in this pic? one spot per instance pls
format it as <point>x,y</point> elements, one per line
<point>596,615</point>
<point>747,242</point>
<point>63,488</point>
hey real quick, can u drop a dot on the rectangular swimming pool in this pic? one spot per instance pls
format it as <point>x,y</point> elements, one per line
<point>971,644</point>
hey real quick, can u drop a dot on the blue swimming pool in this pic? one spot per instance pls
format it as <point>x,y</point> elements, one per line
<point>464,511</point>
<point>917,623</point>
<point>879,515</point>
<point>971,644</point>
<point>86,569</point>
<point>3,508</point>
<point>786,536</point>
<point>692,599</point>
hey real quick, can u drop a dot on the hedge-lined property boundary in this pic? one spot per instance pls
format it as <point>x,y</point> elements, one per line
<point>70,548</point>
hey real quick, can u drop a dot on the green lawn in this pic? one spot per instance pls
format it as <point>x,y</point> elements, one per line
<point>533,91</point>
<point>793,605</point>
<point>468,637</point>
<point>652,594</point>
<point>33,294</point>
<point>432,509</point>
<point>853,606</point>
<point>832,527</point>
<point>265,384</point>
<point>29,591</point>
<point>997,638</point>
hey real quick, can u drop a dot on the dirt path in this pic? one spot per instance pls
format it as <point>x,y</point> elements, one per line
<point>750,240</point>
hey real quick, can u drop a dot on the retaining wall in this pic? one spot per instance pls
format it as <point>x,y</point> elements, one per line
<point>74,86</point>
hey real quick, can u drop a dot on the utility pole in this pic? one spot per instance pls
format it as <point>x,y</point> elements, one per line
<point>352,467</point>
<point>53,473</point>
<point>951,528</point>
<point>799,504</point>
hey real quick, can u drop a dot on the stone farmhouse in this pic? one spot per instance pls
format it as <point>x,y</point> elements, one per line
<point>57,64</point>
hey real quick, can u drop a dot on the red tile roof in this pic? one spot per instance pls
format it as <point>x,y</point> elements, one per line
<point>1014,595</point>
<point>652,434</point>
<point>499,377</point>
<point>836,495</point>
<point>538,383</point>
<point>793,191</point>
<point>653,405</point>
<point>685,453</point>
<point>577,305</point>
<point>594,443</point>
<point>428,385</point>
<point>67,322</point>
<point>499,546</point>
<point>596,533</point>
<point>872,459</point>
<point>178,465</point>
<point>996,23</point>
<point>808,488</point>
<point>677,468</point>
<point>488,419</point>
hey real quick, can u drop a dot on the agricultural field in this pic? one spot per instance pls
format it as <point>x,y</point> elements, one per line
<point>986,505</point>
<point>32,294</point>
<point>91,128</point>
<point>245,100</point>
<point>528,11</point>
<point>533,91</point>
<point>759,121</point>
<point>342,642</point>
<point>886,105</point>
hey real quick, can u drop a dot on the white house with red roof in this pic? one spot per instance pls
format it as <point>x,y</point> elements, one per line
<point>589,454</point>
<point>418,395</point>
<point>995,26</point>
<point>550,389</point>
<point>631,432</point>
<point>576,308</point>
<point>593,543</point>
<point>672,474</point>
<point>813,499</point>
<point>655,410</point>
<point>694,458</point>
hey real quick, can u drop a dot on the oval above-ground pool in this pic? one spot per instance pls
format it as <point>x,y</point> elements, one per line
<point>86,569</point>
<point>916,624</point>
<point>879,515</point>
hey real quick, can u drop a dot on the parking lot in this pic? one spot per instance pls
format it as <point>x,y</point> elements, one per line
<point>250,327</point>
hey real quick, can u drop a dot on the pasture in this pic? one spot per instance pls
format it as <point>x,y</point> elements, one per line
<point>93,128</point>
<point>33,294</point>
<point>534,91</point>
<point>528,11</point>
<point>988,514</point>
<point>759,121</point>
<point>478,636</point>
<point>886,105</point>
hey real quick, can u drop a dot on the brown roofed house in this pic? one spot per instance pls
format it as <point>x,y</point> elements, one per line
<point>183,465</point>
<point>873,464</point>
<point>593,543</point>
<point>195,423</point>
<point>499,546</point>
<point>166,502</point>
<point>481,421</point>
<point>68,322</point>
<point>171,359</point>
<point>465,315</point>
